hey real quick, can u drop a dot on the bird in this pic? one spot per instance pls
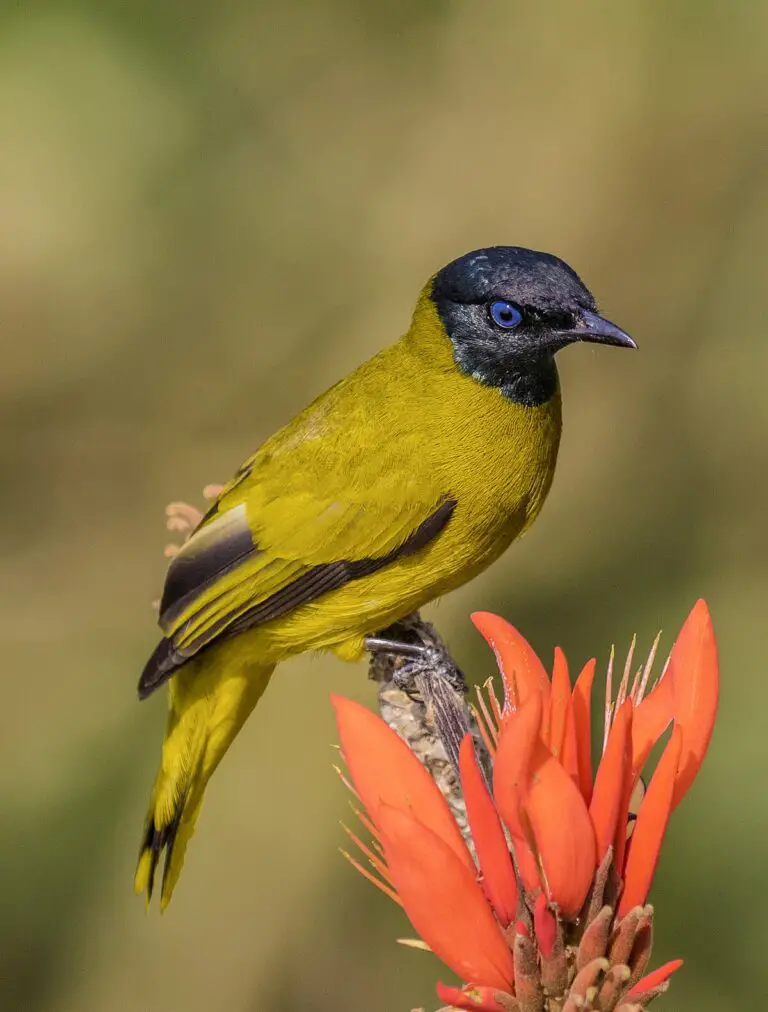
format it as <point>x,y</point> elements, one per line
<point>399,484</point>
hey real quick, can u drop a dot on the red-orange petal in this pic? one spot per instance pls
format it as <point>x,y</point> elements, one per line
<point>650,827</point>
<point>444,901</point>
<point>654,978</point>
<point>493,855</point>
<point>609,782</point>
<point>521,670</point>
<point>527,866</point>
<point>563,833</point>
<point>543,807</point>
<point>385,771</point>
<point>581,701</point>
<point>472,998</point>
<point>570,755</point>
<point>622,819</point>
<point>559,701</point>
<point>694,674</point>
<point>512,765</point>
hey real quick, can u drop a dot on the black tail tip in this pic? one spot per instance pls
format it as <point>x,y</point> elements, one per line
<point>156,843</point>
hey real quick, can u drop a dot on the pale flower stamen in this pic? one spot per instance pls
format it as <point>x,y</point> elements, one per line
<point>639,693</point>
<point>622,695</point>
<point>371,877</point>
<point>608,698</point>
<point>487,721</point>
<point>495,705</point>
<point>483,729</point>
<point>345,781</point>
<point>375,861</point>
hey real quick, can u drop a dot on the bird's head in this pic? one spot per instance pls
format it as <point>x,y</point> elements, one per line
<point>507,310</point>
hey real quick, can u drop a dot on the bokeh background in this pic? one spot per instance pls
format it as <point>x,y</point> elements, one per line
<point>209,213</point>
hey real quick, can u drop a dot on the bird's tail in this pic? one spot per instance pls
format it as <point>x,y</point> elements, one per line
<point>208,706</point>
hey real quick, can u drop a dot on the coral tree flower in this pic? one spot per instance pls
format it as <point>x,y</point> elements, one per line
<point>544,905</point>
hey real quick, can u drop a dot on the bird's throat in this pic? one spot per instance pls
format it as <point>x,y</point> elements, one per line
<point>531,382</point>
<point>531,385</point>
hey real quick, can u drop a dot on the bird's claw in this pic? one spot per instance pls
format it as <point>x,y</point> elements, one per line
<point>432,662</point>
<point>404,678</point>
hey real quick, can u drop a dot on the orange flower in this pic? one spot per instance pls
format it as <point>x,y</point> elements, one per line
<point>559,917</point>
<point>427,861</point>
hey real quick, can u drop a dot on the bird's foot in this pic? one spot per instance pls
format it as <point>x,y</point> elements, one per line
<point>416,651</point>
<point>431,661</point>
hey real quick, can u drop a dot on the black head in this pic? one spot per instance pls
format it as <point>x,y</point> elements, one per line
<point>507,310</point>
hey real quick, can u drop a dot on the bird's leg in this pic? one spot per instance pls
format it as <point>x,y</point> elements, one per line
<point>382,644</point>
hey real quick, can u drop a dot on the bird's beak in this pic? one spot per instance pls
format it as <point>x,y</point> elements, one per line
<point>591,327</point>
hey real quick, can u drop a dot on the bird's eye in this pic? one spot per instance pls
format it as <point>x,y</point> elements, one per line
<point>504,314</point>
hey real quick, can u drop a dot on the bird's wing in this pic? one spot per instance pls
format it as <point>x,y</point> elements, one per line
<point>260,553</point>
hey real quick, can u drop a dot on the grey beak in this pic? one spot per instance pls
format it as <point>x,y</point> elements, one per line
<point>594,328</point>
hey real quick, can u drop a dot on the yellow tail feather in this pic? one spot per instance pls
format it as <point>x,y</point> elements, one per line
<point>210,699</point>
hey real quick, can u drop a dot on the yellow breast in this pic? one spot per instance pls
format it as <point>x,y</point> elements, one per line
<point>495,458</point>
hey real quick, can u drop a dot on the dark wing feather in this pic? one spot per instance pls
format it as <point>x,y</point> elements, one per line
<point>215,549</point>
<point>204,567</point>
<point>330,576</point>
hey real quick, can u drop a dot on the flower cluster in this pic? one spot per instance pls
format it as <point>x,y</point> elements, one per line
<point>544,906</point>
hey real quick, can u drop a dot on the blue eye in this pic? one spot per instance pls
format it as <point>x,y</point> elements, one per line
<point>504,314</point>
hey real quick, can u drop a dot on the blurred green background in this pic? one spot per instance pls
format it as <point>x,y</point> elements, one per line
<point>209,213</point>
